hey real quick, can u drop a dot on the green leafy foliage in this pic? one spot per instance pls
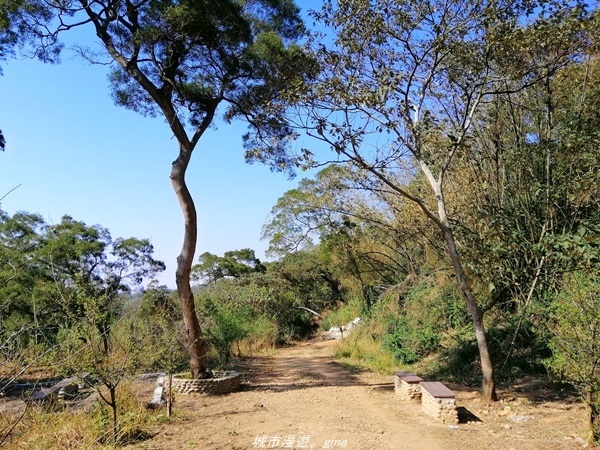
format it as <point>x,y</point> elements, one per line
<point>519,347</point>
<point>14,15</point>
<point>160,317</point>
<point>234,264</point>
<point>185,60</point>
<point>309,278</point>
<point>54,276</point>
<point>240,314</point>
<point>575,327</point>
<point>426,315</point>
<point>227,327</point>
<point>409,342</point>
<point>536,172</point>
<point>182,59</point>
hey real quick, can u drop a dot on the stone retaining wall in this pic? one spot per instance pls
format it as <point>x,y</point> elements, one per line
<point>223,383</point>
<point>441,407</point>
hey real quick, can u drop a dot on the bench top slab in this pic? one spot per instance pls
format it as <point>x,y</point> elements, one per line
<point>408,377</point>
<point>45,392</point>
<point>437,389</point>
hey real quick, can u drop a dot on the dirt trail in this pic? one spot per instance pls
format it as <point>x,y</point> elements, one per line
<point>301,398</point>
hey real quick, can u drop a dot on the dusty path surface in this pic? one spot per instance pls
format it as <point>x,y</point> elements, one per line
<point>302,398</point>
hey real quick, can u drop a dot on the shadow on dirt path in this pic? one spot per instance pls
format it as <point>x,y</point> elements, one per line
<point>301,398</point>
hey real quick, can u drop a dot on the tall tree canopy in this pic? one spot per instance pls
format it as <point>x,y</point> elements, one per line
<point>403,82</point>
<point>182,59</point>
<point>234,264</point>
<point>53,276</point>
<point>345,209</point>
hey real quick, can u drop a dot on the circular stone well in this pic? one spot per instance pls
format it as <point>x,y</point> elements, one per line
<point>222,383</point>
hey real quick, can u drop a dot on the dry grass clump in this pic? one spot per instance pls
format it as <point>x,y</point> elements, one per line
<point>40,429</point>
<point>363,347</point>
<point>67,428</point>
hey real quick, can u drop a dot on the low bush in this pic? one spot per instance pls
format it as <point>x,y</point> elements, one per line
<point>262,335</point>
<point>343,315</point>
<point>362,348</point>
<point>43,429</point>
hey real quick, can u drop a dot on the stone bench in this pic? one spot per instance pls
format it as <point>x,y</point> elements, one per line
<point>68,386</point>
<point>158,394</point>
<point>407,385</point>
<point>438,401</point>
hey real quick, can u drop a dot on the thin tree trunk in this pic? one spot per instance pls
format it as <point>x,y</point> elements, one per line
<point>593,417</point>
<point>104,335</point>
<point>163,97</point>
<point>488,392</point>
<point>488,388</point>
<point>113,405</point>
<point>169,394</point>
<point>195,341</point>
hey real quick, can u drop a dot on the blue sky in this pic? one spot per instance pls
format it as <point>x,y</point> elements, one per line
<point>74,152</point>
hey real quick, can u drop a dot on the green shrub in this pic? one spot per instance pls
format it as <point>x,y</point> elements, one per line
<point>362,347</point>
<point>262,334</point>
<point>517,347</point>
<point>417,323</point>
<point>575,325</point>
<point>407,341</point>
<point>227,327</point>
<point>250,302</point>
<point>343,315</point>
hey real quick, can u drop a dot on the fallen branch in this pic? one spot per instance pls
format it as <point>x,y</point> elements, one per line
<point>309,310</point>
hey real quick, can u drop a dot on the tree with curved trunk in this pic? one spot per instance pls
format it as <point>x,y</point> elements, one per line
<point>402,83</point>
<point>182,60</point>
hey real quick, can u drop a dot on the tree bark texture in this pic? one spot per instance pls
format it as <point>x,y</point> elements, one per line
<point>488,387</point>
<point>488,393</point>
<point>169,394</point>
<point>195,341</point>
<point>593,417</point>
<point>113,404</point>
